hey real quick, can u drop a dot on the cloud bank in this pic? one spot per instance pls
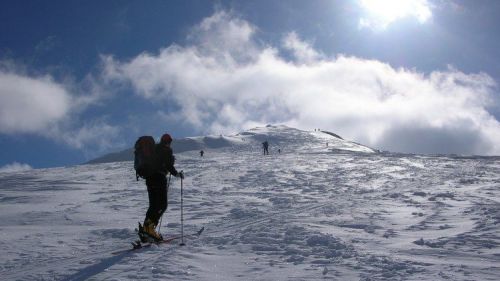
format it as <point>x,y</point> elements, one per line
<point>39,105</point>
<point>30,104</point>
<point>15,167</point>
<point>225,80</point>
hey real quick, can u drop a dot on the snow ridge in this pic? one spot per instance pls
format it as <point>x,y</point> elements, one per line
<point>279,136</point>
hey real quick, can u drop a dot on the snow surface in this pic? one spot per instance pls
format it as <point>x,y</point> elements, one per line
<point>279,137</point>
<point>310,213</point>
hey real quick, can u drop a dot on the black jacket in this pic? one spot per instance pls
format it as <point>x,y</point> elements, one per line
<point>164,163</point>
<point>165,160</point>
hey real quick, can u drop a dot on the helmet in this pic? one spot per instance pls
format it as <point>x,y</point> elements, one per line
<point>166,138</point>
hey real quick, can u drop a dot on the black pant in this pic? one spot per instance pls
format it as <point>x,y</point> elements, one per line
<point>157,193</point>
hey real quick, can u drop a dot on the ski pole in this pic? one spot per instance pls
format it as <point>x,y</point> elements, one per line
<point>159,225</point>
<point>182,212</point>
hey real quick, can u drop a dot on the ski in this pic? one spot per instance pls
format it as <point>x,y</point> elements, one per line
<point>136,245</point>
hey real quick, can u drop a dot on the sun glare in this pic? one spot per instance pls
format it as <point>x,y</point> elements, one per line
<point>381,13</point>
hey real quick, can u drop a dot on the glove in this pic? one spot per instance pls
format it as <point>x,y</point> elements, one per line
<point>180,175</point>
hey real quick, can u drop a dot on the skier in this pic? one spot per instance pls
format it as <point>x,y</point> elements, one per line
<point>201,153</point>
<point>265,145</point>
<point>157,188</point>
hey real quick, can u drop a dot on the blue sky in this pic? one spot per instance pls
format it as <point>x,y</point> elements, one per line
<point>82,78</point>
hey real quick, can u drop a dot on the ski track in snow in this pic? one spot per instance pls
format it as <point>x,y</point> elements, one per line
<point>310,213</point>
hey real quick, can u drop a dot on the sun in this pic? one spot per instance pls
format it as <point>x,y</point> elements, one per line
<point>381,13</point>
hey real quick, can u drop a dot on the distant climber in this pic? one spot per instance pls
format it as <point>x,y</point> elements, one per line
<point>265,146</point>
<point>201,153</point>
<point>156,183</point>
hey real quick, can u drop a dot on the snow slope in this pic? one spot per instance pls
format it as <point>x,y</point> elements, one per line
<point>310,213</point>
<point>279,136</point>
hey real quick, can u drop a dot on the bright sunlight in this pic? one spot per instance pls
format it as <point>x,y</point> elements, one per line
<point>381,13</point>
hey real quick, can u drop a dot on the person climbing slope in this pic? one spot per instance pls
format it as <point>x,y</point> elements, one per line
<point>265,146</point>
<point>157,188</point>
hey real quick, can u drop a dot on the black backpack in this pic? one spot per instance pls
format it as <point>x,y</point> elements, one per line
<point>144,157</point>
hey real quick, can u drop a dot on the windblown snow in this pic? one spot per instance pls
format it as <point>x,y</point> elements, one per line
<point>340,211</point>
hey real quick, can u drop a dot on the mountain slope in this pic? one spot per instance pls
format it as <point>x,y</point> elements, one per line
<point>309,213</point>
<point>279,137</point>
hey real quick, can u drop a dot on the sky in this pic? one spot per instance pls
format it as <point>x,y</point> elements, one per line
<point>79,79</point>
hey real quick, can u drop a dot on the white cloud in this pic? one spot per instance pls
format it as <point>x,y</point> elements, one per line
<point>93,137</point>
<point>30,104</point>
<point>302,51</point>
<point>226,38</point>
<point>366,100</point>
<point>96,134</point>
<point>15,167</point>
<point>44,107</point>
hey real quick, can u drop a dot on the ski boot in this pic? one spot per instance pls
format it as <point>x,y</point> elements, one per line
<point>147,233</point>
